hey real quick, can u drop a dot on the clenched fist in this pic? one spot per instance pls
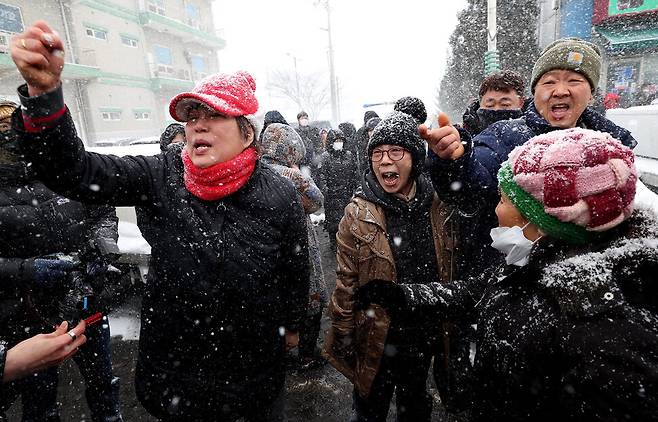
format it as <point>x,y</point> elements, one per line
<point>39,56</point>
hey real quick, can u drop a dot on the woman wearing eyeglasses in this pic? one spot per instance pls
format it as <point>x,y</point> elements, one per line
<point>394,229</point>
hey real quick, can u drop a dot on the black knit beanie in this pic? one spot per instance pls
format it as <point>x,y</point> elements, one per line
<point>369,115</point>
<point>412,106</point>
<point>402,130</point>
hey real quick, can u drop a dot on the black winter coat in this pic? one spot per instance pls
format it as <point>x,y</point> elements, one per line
<point>571,336</point>
<point>35,221</point>
<point>339,179</point>
<point>227,275</point>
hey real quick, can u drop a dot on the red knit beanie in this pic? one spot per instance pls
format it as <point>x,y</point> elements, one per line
<point>229,94</point>
<point>577,178</point>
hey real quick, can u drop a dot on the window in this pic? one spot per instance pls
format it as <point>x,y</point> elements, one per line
<point>129,41</point>
<point>156,6</point>
<point>142,115</point>
<point>193,16</point>
<point>97,33</point>
<point>198,64</point>
<point>164,59</point>
<point>629,4</point>
<point>111,116</point>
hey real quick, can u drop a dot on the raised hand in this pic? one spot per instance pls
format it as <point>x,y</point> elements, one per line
<point>445,140</point>
<point>39,56</point>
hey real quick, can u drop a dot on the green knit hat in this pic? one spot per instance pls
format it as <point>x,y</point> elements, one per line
<point>572,54</point>
<point>533,210</point>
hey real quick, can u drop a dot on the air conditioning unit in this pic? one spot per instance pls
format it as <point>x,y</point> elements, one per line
<point>184,74</point>
<point>5,40</point>
<point>165,69</point>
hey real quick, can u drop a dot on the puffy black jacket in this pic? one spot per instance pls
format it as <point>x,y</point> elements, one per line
<point>571,336</point>
<point>35,221</point>
<point>227,274</point>
<point>338,174</point>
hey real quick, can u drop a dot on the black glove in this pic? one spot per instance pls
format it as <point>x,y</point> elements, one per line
<point>78,302</point>
<point>47,272</point>
<point>386,294</point>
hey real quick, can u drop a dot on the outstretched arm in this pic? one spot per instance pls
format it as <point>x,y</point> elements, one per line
<point>48,135</point>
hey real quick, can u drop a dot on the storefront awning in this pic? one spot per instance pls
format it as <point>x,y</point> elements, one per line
<point>641,38</point>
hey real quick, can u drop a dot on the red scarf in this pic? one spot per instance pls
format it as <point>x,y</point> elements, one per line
<point>221,179</point>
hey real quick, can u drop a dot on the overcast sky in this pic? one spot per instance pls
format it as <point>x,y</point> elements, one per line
<point>383,49</point>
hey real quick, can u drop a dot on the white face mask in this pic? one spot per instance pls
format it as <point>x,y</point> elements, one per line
<point>512,242</point>
<point>338,146</point>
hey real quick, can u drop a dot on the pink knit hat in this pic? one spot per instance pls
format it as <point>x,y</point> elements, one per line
<point>229,94</point>
<point>578,176</point>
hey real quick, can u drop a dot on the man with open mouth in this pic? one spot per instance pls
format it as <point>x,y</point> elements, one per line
<point>464,169</point>
<point>394,229</point>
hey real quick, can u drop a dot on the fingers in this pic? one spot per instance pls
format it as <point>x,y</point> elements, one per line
<point>42,25</point>
<point>42,32</point>
<point>80,328</point>
<point>443,119</point>
<point>29,51</point>
<point>423,131</point>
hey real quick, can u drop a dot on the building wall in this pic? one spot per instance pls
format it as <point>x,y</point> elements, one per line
<point>549,22</point>
<point>576,18</point>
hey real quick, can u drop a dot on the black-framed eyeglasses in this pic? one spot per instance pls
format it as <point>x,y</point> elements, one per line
<point>395,154</point>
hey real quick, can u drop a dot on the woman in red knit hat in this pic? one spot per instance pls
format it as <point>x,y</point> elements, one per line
<point>229,262</point>
<point>568,328</point>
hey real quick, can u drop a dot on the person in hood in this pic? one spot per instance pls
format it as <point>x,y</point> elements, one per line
<point>283,149</point>
<point>501,97</point>
<point>272,116</point>
<point>394,229</point>
<point>362,138</point>
<point>43,232</point>
<point>568,326</point>
<point>173,134</point>
<point>312,142</point>
<point>339,179</point>
<point>228,239</point>
<point>349,130</point>
<point>464,169</point>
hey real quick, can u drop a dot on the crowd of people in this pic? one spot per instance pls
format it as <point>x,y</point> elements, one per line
<point>519,222</point>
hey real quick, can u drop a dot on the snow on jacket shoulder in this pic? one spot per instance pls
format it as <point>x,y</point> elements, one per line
<point>571,336</point>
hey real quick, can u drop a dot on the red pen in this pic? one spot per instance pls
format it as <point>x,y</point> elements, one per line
<point>94,318</point>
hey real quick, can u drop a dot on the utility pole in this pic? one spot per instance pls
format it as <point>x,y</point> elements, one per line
<point>332,75</point>
<point>491,58</point>
<point>294,61</point>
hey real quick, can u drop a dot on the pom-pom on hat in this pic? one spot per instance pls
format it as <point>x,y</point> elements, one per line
<point>412,106</point>
<point>571,183</point>
<point>230,94</point>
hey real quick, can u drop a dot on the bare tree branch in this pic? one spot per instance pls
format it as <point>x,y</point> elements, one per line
<point>310,92</point>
